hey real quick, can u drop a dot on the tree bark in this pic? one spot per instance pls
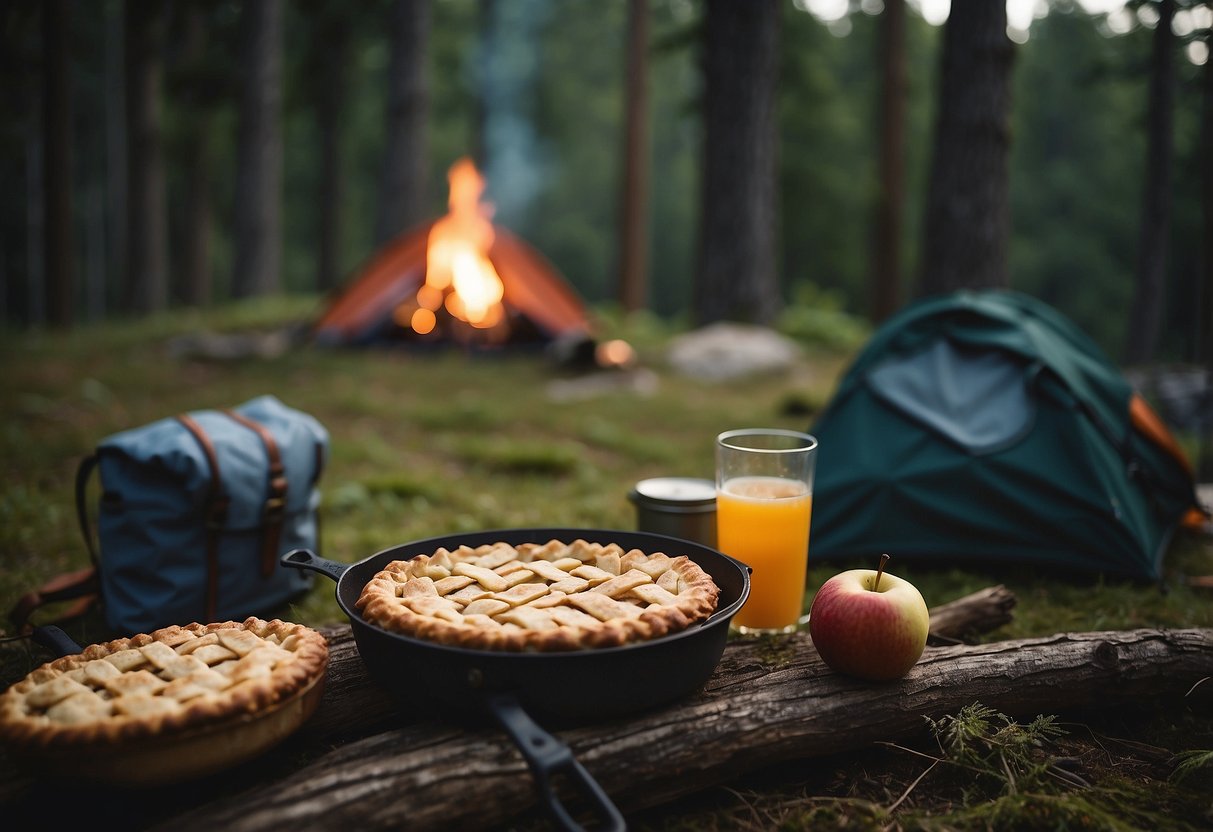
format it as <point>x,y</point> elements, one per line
<point>58,240</point>
<point>633,214</point>
<point>333,45</point>
<point>194,284</point>
<point>1204,354</point>
<point>735,277</point>
<point>146,223</point>
<point>258,209</point>
<point>402,198</point>
<point>1145,315</point>
<point>117,146</point>
<point>967,212</point>
<point>885,292</point>
<point>768,702</point>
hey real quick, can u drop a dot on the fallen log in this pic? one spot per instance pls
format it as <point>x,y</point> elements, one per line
<point>771,700</point>
<point>364,704</point>
<point>978,612</point>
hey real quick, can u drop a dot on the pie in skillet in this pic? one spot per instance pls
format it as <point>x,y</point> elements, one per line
<point>551,596</point>
<point>161,685</point>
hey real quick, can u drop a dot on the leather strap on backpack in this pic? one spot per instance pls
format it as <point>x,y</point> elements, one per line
<point>275,501</point>
<point>82,585</point>
<point>216,513</point>
<point>83,472</point>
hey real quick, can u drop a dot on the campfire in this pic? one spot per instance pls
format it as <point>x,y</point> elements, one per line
<point>462,280</point>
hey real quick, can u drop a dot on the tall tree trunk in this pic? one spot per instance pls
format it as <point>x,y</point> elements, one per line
<point>258,215</point>
<point>1145,315</point>
<point>94,252</point>
<point>198,222</point>
<point>116,174</point>
<point>735,277</point>
<point>885,286</point>
<point>486,36</point>
<point>57,237</point>
<point>330,119</point>
<point>35,200</point>
<point>967,213</point>
<point>146,286</point>
<point>402,198</point>
<point>633,213</point>
<point>1204,344</point>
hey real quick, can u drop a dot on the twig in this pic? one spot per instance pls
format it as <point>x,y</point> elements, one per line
<point>897,747</point>
<point>743,801</point>
<point>1007,769</point>
<point>910,788</point>
<point>1068,776</point>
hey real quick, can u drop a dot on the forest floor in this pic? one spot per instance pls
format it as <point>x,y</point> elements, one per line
<point>434,442</point>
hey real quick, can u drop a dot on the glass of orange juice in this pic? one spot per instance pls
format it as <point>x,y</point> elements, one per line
<point>764,503</point>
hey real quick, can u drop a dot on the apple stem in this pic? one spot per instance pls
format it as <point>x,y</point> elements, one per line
<point>884,558</point>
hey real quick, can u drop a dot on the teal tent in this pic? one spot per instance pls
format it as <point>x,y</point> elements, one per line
<point>983,427</point>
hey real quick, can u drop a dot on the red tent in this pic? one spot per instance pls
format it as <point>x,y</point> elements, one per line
<point>537,300</point>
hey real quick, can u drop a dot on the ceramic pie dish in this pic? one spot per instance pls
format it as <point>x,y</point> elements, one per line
<point>172,705</point>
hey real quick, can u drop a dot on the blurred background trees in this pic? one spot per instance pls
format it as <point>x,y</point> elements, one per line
<point>967,212</point>
<point>151,162</point>
<point>735,276</point>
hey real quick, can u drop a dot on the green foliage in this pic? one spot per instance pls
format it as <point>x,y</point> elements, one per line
<point>1190,763</point>
<point>466,413</point>
<point>824,208</point>
<point>828,104</point>
<point>1005,754</point>
<point>1075,212</point>
<point>519,457</point>
<point>817,318</point>
<point>616,438</point>
<point>1063,812</point>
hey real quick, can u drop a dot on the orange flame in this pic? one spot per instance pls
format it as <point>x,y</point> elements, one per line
<point>458,273</point>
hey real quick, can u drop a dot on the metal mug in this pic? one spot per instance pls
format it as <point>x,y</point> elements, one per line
<point>682,507</point>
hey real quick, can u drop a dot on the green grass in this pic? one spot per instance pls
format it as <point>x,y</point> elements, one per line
<point>430,443</point>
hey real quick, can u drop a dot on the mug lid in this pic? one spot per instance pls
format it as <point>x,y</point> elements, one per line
<point>676,491</point>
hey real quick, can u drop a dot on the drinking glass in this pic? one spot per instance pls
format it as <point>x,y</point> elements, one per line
<point>764,504</point>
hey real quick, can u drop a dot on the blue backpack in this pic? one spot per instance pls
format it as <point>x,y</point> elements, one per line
<point>194,513</point>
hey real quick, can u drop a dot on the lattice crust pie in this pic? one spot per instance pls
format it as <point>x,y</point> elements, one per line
<point>551,596</point>
<point>170,681</point>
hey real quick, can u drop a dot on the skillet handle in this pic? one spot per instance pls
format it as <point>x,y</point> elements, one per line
<point>55,640</point>
<point>307,559</point>
<point>547,756</point>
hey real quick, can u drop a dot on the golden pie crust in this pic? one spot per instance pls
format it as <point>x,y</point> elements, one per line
<point>539,597</point>
<point>163,684</point>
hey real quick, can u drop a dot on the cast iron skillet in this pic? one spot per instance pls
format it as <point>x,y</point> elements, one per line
<point>558,689</point>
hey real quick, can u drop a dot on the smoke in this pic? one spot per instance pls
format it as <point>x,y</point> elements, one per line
<point>507,75</point>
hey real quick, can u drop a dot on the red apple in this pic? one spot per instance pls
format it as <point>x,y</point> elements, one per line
<point>869,624</point>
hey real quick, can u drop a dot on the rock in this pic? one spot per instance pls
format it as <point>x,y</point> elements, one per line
<point>725,350</point>
<point>638,382</point>
<point>237,346</point>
